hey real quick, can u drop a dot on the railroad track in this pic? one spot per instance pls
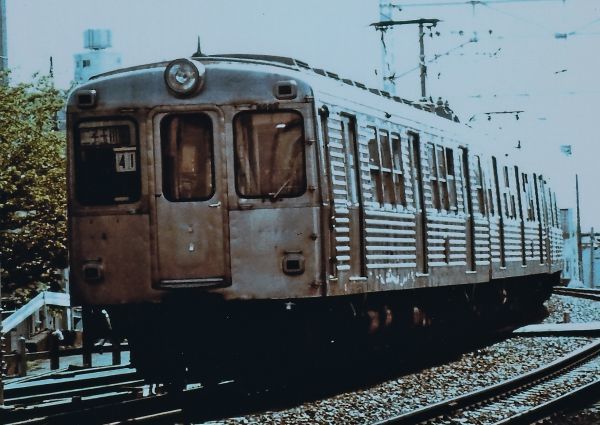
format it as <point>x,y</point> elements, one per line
<point>588,293</point>
<point>107,395</point>
<point>49,394</point>
<point>521,400</point>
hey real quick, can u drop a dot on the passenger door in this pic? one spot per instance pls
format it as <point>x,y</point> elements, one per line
<point>274,214</point>
<point>190,199</point>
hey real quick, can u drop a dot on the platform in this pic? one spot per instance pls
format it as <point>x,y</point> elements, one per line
<point>584,329</point>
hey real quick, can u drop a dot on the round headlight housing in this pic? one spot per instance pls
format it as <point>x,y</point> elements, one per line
<point>184,77</point>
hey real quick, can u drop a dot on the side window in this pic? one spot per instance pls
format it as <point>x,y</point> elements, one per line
<point>451,180</point>
<point>386,167</point>
<point>398,169</point>
<point>374,167</point>
<point>442,174</point>
<point>442,177</point>
<point>514,193</point>
<point>508,196</point>
<point>551,201</point>
<point>505,192</point>
<point>349,146</point>
<point>433,176</point>
<point>187,157</point>
<point>479,185</point>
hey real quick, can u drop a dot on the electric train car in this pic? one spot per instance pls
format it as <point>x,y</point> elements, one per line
<point>211,196</point>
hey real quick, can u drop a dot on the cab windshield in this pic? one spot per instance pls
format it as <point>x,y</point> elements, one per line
<point>269,154</point>
<point>106,163</point>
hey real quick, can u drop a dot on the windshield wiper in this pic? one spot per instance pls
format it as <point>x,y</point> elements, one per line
<point>275,195</point>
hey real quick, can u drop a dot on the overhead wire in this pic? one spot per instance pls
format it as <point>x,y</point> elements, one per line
<point>517,17</point>
<point>435,58</point>
<point>471,3</point>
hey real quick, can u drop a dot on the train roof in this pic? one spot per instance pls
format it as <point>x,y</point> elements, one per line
<point>439,108</point>
<point>432,118</point>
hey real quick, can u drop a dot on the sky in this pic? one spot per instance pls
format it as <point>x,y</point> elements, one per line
<point>500,55</point>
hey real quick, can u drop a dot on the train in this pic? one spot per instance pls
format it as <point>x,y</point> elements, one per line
<point>220,205</point>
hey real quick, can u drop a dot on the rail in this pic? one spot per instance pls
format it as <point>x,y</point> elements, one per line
<point>456,407</point>
<point>587,293</point>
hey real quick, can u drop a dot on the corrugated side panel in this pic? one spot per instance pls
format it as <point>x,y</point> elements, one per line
<point>340,193</point>
<point>532,242</point>
<point>512,240</point>
<point>390,239</point>
<point>495,239</point>
<point>556,245</point>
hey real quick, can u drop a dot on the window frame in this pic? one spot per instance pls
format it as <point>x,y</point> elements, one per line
<point>161,125</point>
<point>304,188</point>
<point>377,195</point>
<point>77,149</point>
<point>398,169</point>
<point>439,178</point>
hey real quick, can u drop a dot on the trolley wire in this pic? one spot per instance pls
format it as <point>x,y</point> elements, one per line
<point>473,3</point>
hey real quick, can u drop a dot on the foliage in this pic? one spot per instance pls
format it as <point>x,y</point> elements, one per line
<point>32,188</point>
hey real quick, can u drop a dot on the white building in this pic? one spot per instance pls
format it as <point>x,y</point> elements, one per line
<point>99,58</point>
<point>570,270</point>
<point>591,259</point>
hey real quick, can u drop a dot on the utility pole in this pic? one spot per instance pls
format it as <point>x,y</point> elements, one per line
<point>3,42</point>
<point>383,25</point>
<point>592,243</point>
<point>579,248</point>
<point>387,49</point>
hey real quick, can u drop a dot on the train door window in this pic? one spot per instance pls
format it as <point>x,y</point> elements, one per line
<point>349,146</point>
<point>433,176</point>
<point>451,180</point>
<point>508,197</point>
<point>504,194</point>
<point>398,169</point>
<point>526,193</point>
<point>551,208</point>
<point>107,163</point>
<point>479,185</point>
<point>187,157</point>
<point>269,154</point>
<point>491,202</point>
<point>514,192</point>
<point>386,168</point>
<point>374,167</point>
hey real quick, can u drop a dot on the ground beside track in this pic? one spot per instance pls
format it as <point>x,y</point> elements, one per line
<point>475,369</point>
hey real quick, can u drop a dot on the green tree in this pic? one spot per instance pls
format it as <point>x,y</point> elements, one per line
<point>32,188</point>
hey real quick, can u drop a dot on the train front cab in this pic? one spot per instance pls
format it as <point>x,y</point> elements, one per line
<point>210,193</point>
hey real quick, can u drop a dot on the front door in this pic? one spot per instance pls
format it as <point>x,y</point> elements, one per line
<point>274,214</point>
<point>190,200</point>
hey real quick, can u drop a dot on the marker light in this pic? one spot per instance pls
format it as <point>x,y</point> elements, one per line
<point>184,77</point>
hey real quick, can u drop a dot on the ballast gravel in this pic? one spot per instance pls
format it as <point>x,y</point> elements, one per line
<point>473,370</point>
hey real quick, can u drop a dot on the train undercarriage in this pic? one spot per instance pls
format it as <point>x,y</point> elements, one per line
<point>203,337</point>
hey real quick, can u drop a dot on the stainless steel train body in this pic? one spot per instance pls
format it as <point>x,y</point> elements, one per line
<point>273,180</point>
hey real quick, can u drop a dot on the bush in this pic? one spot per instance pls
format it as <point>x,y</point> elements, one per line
<point>32,188</point>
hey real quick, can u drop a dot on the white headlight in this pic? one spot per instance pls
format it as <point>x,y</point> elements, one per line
<point>184,77</point>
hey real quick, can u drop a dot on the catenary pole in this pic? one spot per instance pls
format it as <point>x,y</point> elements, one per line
<point>383,25</point>
<point>579,248</point>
